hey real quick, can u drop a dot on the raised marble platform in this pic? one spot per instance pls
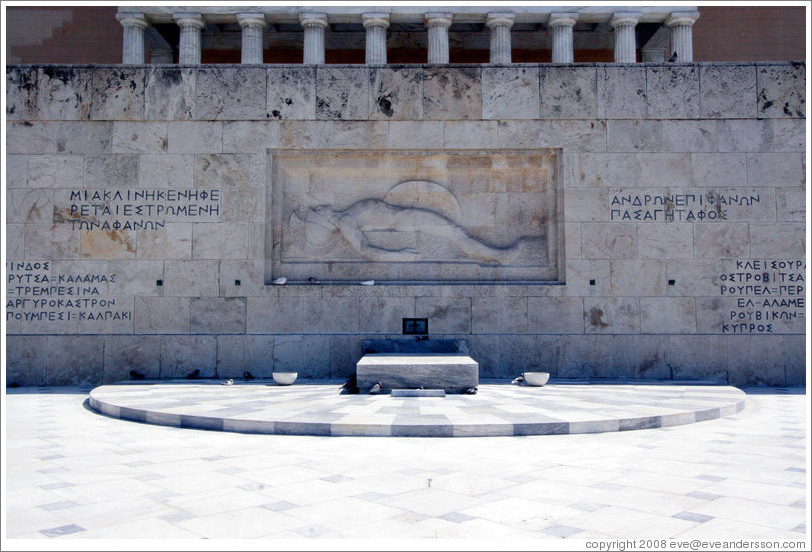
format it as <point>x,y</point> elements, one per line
<point>453,373</point>
<point>498,409</point>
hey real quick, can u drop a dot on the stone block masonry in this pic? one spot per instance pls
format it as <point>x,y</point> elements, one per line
<point>144,207</point>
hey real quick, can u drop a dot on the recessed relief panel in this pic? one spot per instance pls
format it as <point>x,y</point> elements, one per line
<point>413,216</point>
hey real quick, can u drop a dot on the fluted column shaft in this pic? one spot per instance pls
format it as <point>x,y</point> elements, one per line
<point>252,25</point>
<point>376,25</point>
<point>682,42</point>
<point>314,25</point>
<point>438,24</point>
<point>561,25</point>
<point>133,44</point>
<point>625,43</point>
<point>500,24</point>
<point>190,25</point>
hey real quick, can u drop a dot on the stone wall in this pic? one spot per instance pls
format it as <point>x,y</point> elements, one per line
<point>138,212</point>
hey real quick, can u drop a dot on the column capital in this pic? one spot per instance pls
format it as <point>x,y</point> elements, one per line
<point>439,19</point>
<point>562,19</point>
<point>313,19</point>
<point>681,18</point>
<point>625,18</point>
<point>189,20</point>
<point>375,20</point>
<point>251,20</point>
<point>500,19</point>
<point>133,20</point>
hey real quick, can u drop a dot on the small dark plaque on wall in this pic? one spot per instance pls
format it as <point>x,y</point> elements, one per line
<point>415,326</point>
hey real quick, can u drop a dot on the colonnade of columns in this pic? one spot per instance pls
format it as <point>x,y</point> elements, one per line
<point>560,26</point>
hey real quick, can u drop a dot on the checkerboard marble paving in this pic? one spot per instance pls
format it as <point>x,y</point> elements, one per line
<point>742,475</point>
<point>497,410</point>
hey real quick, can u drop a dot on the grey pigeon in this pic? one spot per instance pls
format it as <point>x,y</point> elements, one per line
<point>135,375</point>
<point>312,280</point>
<point>247,375</point>
<point>376,389</point>
<point>351,385</point>
<point>673,57</point>
<point>227,382</point>
<point>470,391</point>
<point>519,380</point>
<point>280,281</point>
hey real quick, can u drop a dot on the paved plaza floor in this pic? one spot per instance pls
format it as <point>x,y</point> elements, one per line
<point>71,473</point>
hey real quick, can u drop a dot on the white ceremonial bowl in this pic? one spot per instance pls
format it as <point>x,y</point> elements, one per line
<point>536,379</point>
<point>284,378</point>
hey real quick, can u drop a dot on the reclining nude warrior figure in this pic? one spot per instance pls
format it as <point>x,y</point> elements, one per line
<point>367,216</point>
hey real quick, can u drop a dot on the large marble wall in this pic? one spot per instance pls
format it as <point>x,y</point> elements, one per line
<point>140,215</point>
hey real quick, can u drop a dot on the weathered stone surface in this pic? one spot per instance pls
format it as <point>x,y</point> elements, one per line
<point>306,134</point>
<point>386,314</point>
<point>140,354</point>
<point>181,355</point>
<point>330,314</point>
<point>221,170</point>
<point>198,278</point>
<point>166,171</point>
<point>690,136</point>
<point>342,93</point>
<point>582,356</point>
<point>83,137</point>
<point>219,241</point>
<point>218,315</point>
<point>291,93</point>
<point>51,241</point>
<point>309,355</point>
<point>727,91</point>
<point>250,136</point>
<point>345,351</point>
<point>795,360</point>
<point>568,92</point>
<point>555,315</point>
<point>790,204</point>
<point>634,135</point>
<point>111,171</point>
<point>108,244</point>
<point>363,134</point>
<point>446,315</point>
<point>723,240</point>
<point>723,170</point>
<point>613,315</point>
<point>652,169</point>
<point>667,315</point>
<point>162,315</point>
<point>776,169</point>
<point>170,93</point>
<point>576,135</point>
<point>604,240</point>
<point>29,205</point>
<point>781,90</point>
<point>26,359</point>
<point>134,278</point>
<point>638,277</point>
<point>129,137</point>
<point>15,241</point>
<point>74,360</point>
<point>789,135</point>
<point>229,92</point>
<point>243,205</point>
<point>777,240</point>
<point>510,92</point>
<point>470,134</point>
<point>242,278</point>
<point>396,93</point>
<point>606,170</point>
<point>621,92</point>
<point>415,134</point>
<point>118,94</point>
<point>52,171</point>
<point>21,93</point>
<point>454,373</point>
<point>640,357</point>
<point>195,137</point>
<point>64,93</point>
<point>28,138</point>
<point>452,93</point>
<point>237,354</point>
<point>587,205</point>
<point>758,360</point>
<point>587,277</point>
<point>17,172</point>
<point>745,135</point>
<point>503,315</point>
<point>274,314</point>
<point>524,134</point>
<point>698,357</point>
<point>523,353</point>
<point>670,240</point>
<point>672,92</point>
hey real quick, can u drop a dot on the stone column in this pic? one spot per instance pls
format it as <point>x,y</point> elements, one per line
<point>561,25</point>
<point>376,25</point>
<point>625,44</point>
<point>314,25</point>
<point>500,24</point>
<point>190,25</point>
<point>438,24</point>
<point>252,25</point>
<point>682,42</point>
<point>133,45</point>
